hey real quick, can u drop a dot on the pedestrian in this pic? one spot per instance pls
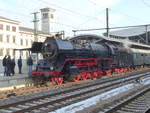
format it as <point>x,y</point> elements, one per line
<point>13,66</point>
<point>29,63</point>
<point>4,64</point>
<point>20,64</point>
<point>8,65</point>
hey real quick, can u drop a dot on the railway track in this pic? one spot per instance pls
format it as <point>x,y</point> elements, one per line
<point>52,100</point>
<point>138,102</point>
<point>33,89</point>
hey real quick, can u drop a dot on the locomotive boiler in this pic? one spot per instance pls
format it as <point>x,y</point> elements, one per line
<point>55,52</point>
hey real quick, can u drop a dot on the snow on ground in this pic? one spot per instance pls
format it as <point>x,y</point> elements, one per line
<point>92,101</point>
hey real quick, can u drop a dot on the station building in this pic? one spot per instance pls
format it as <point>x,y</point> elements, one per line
<point>13,36</point>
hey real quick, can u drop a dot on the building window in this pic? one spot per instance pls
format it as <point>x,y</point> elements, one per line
<point>21,42</point>
<point>13,52</point>
<point>7,51</point>
<point>14,28</point>
<point>1,26</point>
<point>1,38</point>
<point>27,54</point>
<point>14,39</point>
<point>26,42</point>
<point>8,38</point>
<point>1,52</point>
<point>21,53</point>
<point>8,28</point>
<point>45,15</point>
<point>31,42</point>
<point>52,16</point>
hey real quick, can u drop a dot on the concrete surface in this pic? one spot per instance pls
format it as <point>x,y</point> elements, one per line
<point>16,81</point>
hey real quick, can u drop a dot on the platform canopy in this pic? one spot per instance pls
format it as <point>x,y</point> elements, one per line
<point>135,31</point>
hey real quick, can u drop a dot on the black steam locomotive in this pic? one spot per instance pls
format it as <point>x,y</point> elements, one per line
<point>86,56</point>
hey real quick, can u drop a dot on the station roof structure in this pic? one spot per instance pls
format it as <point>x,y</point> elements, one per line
<point>127,42</point>
<point>135,31</point>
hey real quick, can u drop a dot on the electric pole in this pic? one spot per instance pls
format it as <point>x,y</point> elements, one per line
<point>107,22</point>
<point>146,34</point>
<point>63,34</point>
<point>35,21</point>
<point>74,32</point>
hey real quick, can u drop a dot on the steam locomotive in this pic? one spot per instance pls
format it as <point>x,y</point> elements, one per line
<point>86,56</point>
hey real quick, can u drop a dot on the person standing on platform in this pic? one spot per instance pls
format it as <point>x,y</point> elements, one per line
<point>8,65</point>
<point>29,63</point>
<point>20,64</point>
<point>4,64</point>
<point>13,66</point>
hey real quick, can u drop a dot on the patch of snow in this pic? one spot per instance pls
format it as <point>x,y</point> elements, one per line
<point>93,100</point>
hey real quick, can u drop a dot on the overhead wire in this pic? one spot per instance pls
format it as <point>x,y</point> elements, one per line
<point>91,19</point>
<point>16,13</point>
<point>71,11</point>
<point>131,17</point>
<point>24,15</point>
<point>110,28</point>
<point>146,4</point>
<point>66,9</point>
<point>65,25</point>
<point>92,2</point>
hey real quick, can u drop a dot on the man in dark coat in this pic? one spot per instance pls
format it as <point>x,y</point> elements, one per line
<point>13,66</point>
<point>4,64</point>
<point>8,65</point>
<point>20,64</point>
<point>29,63</point>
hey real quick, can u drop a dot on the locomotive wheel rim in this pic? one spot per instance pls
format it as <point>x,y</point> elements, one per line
<point>96,74</point>
<point>84,76</point>
<point>91,76</point>
<point>53,80</point>
<point>59,80</point>
<point>88,75</point>
<point>77,78</point>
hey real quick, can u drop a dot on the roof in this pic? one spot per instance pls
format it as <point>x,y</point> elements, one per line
<point>30,30</point>
<point>26,29</point>
<point>47,9</point>
<point>130,32</point>
<point>125,42</point>
<point>9,19</point>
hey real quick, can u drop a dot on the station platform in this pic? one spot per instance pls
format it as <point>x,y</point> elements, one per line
<point>13,82</point>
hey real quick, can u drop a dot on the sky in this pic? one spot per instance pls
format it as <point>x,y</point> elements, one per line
<point>79,14</point>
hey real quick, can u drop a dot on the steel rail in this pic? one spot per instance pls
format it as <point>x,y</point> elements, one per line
<point>74,92</point>
<point>120,106</point>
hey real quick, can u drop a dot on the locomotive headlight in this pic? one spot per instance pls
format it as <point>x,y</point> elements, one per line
<point>45,44</point>
<point>51,68</point>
